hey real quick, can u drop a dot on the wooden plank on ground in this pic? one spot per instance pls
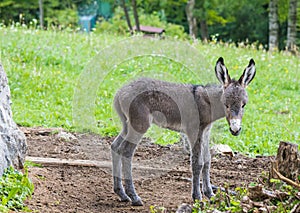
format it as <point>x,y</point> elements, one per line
<point>86,163</point>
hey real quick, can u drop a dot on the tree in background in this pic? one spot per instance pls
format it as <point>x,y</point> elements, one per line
<point>201,15</point>
<point>18,10</point>
<point>55,12</point>
<point>292,26</point>
<point>192,21</point>
<point>245,21</point>
<point>41,15</point>
<point>123,4</point>
<point>225,20</point>
<point>135,15</point>
<point>273,25</point>
<point>202,11</point>
<point>60,14</point>
<point>171,11</point>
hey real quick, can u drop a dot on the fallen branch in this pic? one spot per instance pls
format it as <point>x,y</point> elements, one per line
<point>295,209</point>
<point>281,177</point>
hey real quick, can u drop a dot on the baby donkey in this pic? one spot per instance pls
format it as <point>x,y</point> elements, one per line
<point>186,108</point>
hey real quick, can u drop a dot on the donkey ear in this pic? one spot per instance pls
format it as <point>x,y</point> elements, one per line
<point>222,72</point>
<point>248,74</point>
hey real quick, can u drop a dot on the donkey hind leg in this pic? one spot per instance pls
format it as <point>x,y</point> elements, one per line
<point>206,187</point>
<point>127,149</point>
<point>116,170</point>
<point>116,156</point>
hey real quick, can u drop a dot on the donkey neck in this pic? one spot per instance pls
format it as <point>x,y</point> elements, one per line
<point>214,94</point>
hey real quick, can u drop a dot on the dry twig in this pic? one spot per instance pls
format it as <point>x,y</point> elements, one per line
<point>281,177</point>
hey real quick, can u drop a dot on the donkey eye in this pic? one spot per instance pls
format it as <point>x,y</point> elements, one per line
<point>243,105</point>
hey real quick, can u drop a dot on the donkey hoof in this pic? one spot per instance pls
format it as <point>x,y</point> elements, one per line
<point>125,199</point>
<point>197,197</point>
<point>209,195</point>
<point>137,202</point>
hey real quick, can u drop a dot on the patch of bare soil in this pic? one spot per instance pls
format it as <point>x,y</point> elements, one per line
<point>163,177</point>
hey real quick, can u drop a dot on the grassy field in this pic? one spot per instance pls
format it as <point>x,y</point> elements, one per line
<point>44,67</point>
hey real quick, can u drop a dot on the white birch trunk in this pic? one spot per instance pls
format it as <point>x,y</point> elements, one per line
<point>292,31</point>
<point>273,25</point>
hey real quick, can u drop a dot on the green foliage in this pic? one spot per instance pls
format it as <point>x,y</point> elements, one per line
<point>285,198</point>
<point>225,18</point>
<point>283,10</point>
<point>226,201</point>
<point>57,13</point>
<point>157,209</point>
<point>10,10</point>
<point>66,18</point>
<point>234,28</point>
<point>117,24</point>
<point>15,187</point>
<point>165,10</point>
<point>288,199</point>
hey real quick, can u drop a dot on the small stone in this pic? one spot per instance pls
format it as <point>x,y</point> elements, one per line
<point>184,208</point>
<point>216,211</point>
<point>246,199</point>
<point>65,136</point>
<point>263,209</point>
<point>221,149</point>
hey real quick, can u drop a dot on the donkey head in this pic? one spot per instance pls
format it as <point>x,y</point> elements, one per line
<point>234,95</point>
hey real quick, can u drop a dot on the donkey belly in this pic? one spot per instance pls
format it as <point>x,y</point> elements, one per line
<point>172,122</point>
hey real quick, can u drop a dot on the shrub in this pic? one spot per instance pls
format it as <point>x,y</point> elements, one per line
<point>15,187</point>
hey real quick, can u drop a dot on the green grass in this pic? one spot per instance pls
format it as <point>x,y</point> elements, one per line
<point>44,67</point>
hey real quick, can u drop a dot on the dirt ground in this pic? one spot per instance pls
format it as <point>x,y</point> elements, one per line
<point>162,174</point>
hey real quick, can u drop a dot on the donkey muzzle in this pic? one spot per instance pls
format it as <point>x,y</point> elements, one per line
<point>235,126</point>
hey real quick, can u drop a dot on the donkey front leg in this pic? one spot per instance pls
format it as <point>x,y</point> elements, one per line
<point>197,166</point>
<point>206,185</point>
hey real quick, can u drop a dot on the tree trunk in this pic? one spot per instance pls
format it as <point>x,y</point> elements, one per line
<point>12,140</point>
<point>292,21</point>
<point>189,9</point>
<point>204,30</point>
<point>41,14</point>
<point>288,159</point>
<point>287,164</point>
<point>273,25</point>
<point>136,17</point>
<point>127,16</point>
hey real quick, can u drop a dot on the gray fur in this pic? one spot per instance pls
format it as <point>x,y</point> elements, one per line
<point>184,108</point>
